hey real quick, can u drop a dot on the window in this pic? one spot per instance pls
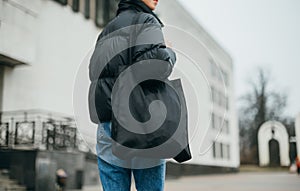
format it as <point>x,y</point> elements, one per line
<point>227,103</point>
<point>213,94</point>
<point>1,84</point>
<point>223,104</point>
<point>216,97</point>
<point>220,121</point>
<point>213,120</point>
<point>218,150</point>
<point>221,150</point>
<point>99,13</point>
<point>87,9</point>
<point>63,2</point>
<point>212,67</point>
<point>214,150</point>
<point>105,11</point>
<point>216,121</point>
<point>113,6</point>
<point>228,151</point>
<point>225,151</point>
<point>225,77</point>
<point>75,5</point>
<point>219,74</point>
<point>220,101</point>
<point>226,126</point>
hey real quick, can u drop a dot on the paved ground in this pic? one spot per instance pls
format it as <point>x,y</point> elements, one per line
<point>251,181</point>
<point>237,182</point>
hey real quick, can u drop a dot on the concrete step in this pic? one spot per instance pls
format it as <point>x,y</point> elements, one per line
<point>4,179</point>
<point>7,184</point>
<point>12,188</point>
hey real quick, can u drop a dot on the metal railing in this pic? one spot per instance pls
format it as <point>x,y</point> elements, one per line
<point>38,129</point>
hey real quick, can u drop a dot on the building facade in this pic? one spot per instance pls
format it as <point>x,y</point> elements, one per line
<point>214,131</point>
<point>42,43</point>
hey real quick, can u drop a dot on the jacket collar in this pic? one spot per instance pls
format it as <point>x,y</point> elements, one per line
<point>137,5</point>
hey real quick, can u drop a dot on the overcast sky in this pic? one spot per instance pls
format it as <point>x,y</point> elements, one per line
<point>257,33</point>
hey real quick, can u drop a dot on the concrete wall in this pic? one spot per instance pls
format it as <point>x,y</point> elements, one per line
<point>72,163</point>
<point>21,165</point>
<point>91,173</point>
<point>52,40</point>
<point>18,29</point>
<point>36,169</point>
<point>174,170</point>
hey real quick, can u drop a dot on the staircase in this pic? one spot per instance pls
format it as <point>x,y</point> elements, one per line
<point>7,184</point>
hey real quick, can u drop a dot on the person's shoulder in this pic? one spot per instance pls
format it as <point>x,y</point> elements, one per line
<point>111,26</point>
<point>148,18</point>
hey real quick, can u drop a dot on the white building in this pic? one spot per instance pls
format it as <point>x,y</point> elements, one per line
<point>43,42</point>
<point>215,142</point>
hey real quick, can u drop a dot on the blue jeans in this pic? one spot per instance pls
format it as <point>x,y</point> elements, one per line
<point>113,172</point>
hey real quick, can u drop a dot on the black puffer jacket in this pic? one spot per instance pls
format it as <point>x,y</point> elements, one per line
<point>111,54</point>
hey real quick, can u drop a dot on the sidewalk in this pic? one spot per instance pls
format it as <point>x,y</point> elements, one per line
<point>246,181</point>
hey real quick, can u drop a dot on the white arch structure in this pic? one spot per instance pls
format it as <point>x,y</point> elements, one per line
<point>280,134</point>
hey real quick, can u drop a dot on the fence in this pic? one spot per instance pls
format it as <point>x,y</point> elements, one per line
<point>38,129</point>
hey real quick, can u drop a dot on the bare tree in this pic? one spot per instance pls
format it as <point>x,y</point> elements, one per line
<point>257,106</point>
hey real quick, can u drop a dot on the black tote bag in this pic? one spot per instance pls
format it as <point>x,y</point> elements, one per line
<point>170,138</point>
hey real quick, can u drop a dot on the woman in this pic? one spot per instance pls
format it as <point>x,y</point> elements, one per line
<point>113,172</point>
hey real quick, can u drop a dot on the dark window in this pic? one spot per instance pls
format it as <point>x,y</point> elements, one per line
<point>87,9</point>
<point>228,151</point>
<point>220,96</point>
<point>219,124</point>
<point>221,148</point>
<point>1,85</point>
<point>113,6</point>
<point>63,2</point>
<point>227,103</point>
<point>215,96</point>
<point>75,5</point>
<point>225,77</point>
<point>105,11</point>
<point>227,126</point>
<point>214,150</point>
<point>99,13</point>
<point>213,123</point>
<point>79,179</point>
<point>217,150</point>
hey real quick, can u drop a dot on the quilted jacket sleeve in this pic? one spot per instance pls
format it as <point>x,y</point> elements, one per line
<point>150,44</point>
